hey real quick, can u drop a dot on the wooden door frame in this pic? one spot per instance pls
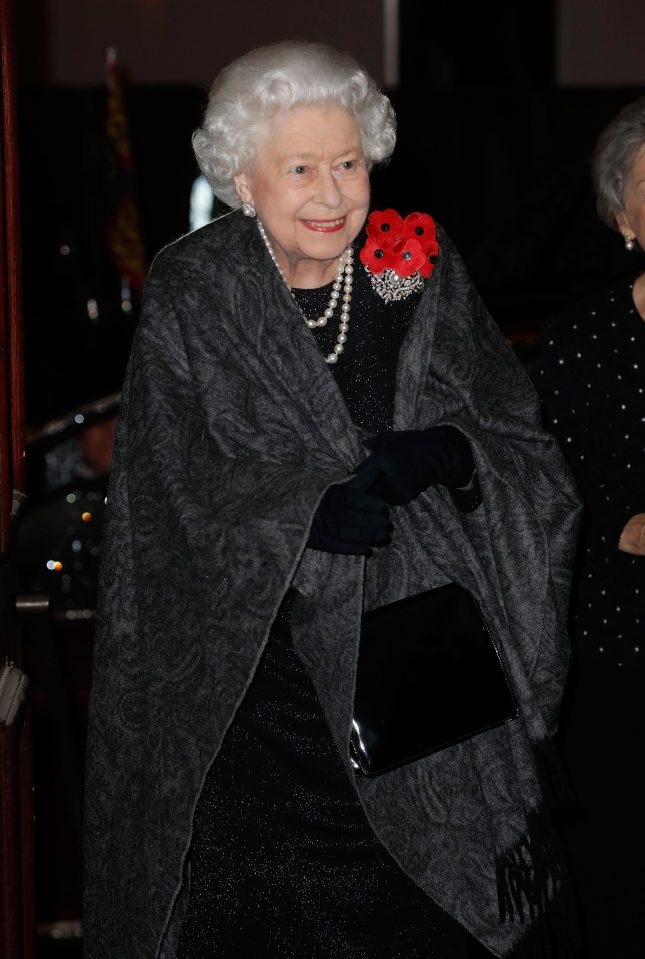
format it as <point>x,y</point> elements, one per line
<point>12,416</point>
<point>17,907</point>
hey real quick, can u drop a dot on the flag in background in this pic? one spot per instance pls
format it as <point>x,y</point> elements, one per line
<point>123,228</point>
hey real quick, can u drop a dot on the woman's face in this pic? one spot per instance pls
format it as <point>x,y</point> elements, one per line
<point>631,219</point>
<point>310,189</point>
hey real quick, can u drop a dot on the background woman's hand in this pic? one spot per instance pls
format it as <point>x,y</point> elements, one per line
<point>632,538</point>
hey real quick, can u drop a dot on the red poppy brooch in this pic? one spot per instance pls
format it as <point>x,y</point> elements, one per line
<point>399,254</point>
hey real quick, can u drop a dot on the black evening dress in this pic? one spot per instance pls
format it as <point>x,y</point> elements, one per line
<point>592,381</point>
<point>283,860</point>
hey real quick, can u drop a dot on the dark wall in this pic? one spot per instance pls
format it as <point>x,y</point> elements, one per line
<point>71,357</point>
<point>500,154</point>
<point>182,42</point>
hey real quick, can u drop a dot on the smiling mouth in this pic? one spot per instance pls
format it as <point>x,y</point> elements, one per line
<point>325,226</point>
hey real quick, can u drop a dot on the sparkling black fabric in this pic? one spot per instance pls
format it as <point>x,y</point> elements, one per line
<point>366,371</point>
<point>594,393</point>
<point>593,387</point>
<point>284,862</point>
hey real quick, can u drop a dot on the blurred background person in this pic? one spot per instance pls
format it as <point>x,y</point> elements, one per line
<point>592,380</point>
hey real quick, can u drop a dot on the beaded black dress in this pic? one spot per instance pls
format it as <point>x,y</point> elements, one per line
<point>593,387</point>
<point>592,380</point>
<point>283,861</point>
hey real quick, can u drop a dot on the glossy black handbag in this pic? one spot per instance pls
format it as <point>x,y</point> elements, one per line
<point>429,676</point>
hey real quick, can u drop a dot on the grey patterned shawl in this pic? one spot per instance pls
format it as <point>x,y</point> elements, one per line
<point>231,429</point>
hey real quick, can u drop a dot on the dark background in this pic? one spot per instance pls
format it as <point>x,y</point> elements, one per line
<point>498,106</point>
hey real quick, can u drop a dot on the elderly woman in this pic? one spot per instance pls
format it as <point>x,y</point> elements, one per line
<point>592,383</point>
<point>318,420</point>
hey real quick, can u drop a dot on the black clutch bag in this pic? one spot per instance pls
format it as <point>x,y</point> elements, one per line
<point>429,676</point>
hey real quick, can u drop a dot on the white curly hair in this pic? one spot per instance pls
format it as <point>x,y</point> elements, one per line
<point>271,80</point>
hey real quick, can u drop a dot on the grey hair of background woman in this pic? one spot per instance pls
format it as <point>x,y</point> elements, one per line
<point>271,80</point>
<point>616,152</point>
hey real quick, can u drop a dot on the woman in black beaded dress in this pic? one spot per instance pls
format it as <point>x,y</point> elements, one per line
<point>294,357</point>
<point>592,379</point>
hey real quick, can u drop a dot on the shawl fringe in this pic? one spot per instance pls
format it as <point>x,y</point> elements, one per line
<point>533,888</point>
<point>551,937</point>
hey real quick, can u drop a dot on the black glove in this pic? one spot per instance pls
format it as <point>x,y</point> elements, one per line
<point>350,521</point>
<point>404,463</point>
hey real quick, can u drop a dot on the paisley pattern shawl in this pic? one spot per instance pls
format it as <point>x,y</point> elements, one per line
<point>231,429</point>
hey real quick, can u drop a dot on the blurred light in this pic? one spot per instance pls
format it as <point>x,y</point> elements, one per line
<point>80,614</point>
<point>71,498</point>
<point>54,565</point>
<point>64,250</point>
<point>79,418</point>
<point>126,295</point>
<point>92,309</point>
<point>86,517</point>
<point>202,200</point>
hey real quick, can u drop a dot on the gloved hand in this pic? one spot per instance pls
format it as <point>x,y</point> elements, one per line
<point>350,521</point>
<point>404,463</point>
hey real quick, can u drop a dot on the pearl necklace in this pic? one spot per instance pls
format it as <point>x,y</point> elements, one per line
<point>345,266</point>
